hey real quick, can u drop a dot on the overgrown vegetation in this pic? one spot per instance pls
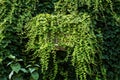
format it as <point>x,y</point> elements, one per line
<point>59,40</point>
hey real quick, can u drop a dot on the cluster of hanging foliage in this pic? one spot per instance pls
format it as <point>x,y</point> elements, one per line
<point>59,40</point>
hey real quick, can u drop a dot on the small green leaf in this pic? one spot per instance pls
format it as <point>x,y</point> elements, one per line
<point>19,59</point>
<point>35,75</point>
<point>28,66</point>
<point>15,67</point>
<point>37,65</point>
<point>11,74</point>
<point>9,63</point>
<point>24,70</point>
<point>1,60</point>
<point>11,57</point>
<point>31,70</point>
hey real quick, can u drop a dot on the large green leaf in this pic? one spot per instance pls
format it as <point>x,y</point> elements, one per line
<point>15,67</point>
<point>35,75</point>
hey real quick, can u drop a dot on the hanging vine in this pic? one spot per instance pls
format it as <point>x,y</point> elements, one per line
<point>59,39</point>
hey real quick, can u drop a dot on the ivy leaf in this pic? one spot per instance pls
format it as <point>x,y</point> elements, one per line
<point>15,67</point>
<point>35,75</point>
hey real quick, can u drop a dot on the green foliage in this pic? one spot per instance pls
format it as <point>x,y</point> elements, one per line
<point>47,32</point>
<point>59,39</point>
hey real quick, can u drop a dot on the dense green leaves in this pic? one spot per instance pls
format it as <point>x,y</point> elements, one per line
<point>59,39</point>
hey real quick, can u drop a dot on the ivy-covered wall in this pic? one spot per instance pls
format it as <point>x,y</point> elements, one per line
<point>59,40</point>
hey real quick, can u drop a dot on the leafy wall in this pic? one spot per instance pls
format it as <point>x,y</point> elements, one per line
<point>60,40</point>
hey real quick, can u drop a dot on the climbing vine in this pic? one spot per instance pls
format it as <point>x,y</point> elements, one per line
<point>59,40</point>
